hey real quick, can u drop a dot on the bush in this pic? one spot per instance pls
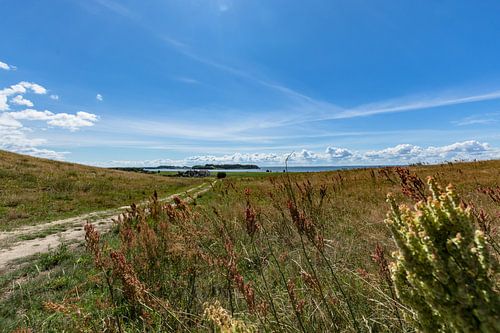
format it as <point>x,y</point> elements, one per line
<point>221,175</point>
<point>442,269</point>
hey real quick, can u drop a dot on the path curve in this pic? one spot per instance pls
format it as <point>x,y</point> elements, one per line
<point>27,241</point>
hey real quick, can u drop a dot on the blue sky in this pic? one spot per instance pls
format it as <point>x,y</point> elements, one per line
<point>110,82</point>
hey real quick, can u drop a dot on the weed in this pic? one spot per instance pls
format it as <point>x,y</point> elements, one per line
<point>54,258</point>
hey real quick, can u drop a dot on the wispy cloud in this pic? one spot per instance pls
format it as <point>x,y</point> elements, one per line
<point>416,104</point>
<point>301,107</point>
<point>483,119</point>
<point>173,129</point>
<point>309,109</point>
<point>7,67</point>
<point>117,8</point>
<point>14,137</point>
<point>224,5</point>
<point>306,108</point>
<point>99,97</point>
<point>187,80</point>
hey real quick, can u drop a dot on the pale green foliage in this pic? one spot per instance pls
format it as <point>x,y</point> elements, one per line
<point>442,269</point>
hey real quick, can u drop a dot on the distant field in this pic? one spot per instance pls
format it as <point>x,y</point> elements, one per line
<point>34,190</point>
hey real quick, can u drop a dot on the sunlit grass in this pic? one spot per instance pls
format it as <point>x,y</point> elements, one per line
<point>293,252</point>
<point>36,190</point>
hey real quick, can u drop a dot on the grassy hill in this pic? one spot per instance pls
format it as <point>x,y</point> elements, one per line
<point>35,190</point>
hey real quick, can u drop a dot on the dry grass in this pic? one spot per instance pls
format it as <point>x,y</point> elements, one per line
<point>294,252</point>
<point>36,190</point>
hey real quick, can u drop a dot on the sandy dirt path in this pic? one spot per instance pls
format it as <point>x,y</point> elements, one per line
<point>40,238</point>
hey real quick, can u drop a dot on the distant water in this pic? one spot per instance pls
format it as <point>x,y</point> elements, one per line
<point>281,169</point>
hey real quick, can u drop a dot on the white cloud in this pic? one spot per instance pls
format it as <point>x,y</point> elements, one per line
<point>19,89</point>
<point>7,122</point>
<point>72,121</point>
<point>30,114</point>
<point>20,100</point>
<point>471,147</point>
<point>36,88</point>
<point>7,67</point>
<point>410,153</point>
<point>43,153</point>
<point>13,137</point>
<point>339,153</point>
<point>54,97</point>
<point>267,158</point>
<point>65,120</point>
<point>399,154</point>
<point>99,97</point>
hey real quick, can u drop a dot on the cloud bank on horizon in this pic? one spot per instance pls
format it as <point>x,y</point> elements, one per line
<point>400,154</point>
<point>237,82</point>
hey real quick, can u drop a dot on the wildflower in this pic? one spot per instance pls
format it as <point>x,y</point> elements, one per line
<point>133,289</point>
<point>379,257</point>
<point>492,192</point>
<point>442,265</point>
<point>223,320</point>
<point>309,280</point>
<point>251,219</point>
<point>411,185</point>
<point>92,238</point>
<point>297,304</point>
<point>245,289</point>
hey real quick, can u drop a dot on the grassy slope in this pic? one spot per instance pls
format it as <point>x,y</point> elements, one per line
<point>351,220</point>
<point>35,190</point>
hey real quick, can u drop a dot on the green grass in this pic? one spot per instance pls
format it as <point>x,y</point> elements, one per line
<point>256,174</point>
<point>44,233</point>
<point>180,257</point>
<point>59,275</point>
<point>37,190</point>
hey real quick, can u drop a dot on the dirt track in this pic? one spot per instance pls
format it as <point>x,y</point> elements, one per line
<point>27,241</point>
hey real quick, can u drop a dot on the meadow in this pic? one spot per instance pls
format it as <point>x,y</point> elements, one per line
<point>35,190</point>
<point>277,252</point>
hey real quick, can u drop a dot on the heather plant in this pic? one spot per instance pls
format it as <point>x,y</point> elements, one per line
<point>442,269</point>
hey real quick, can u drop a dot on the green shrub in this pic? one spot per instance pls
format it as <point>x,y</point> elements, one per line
<point>442,269</point>
<point>53,258</point>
